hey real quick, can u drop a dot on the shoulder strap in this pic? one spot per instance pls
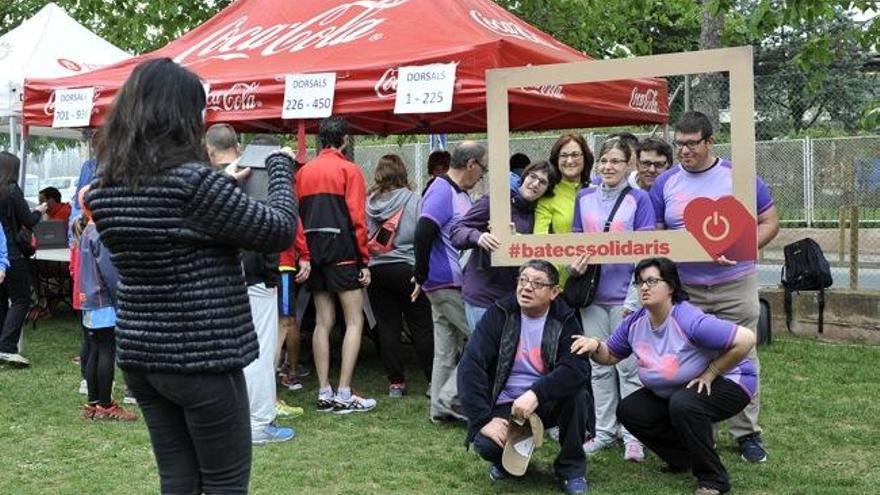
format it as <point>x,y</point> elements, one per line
<point>617,204</point>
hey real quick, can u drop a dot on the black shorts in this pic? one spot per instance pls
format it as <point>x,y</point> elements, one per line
<point>334,278</point>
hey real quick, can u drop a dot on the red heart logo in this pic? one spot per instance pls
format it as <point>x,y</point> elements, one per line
<point>723,227</point>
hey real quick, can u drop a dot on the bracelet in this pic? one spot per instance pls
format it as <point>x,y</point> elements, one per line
<point>713,369</point>
<point>598,345</point>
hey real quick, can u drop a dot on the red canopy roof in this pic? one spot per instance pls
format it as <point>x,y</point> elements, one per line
<point>245,50</point>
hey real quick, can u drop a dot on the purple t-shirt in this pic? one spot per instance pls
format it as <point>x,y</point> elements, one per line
<point>591,209</point>
<point>528,366</point>
<point>680,349</point>
<point>677,187</point>
<point>442,203</point>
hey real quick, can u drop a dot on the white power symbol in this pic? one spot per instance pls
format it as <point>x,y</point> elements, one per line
<point>716,219</point>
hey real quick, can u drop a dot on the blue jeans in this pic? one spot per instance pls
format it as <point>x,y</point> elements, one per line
<point>473,314</point>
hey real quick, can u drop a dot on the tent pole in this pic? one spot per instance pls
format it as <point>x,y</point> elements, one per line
<point>301,153</point>
<point>22,177</point>
<point>12,144</point>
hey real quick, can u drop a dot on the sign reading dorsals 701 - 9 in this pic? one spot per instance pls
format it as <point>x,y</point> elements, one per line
<point>425,89</point>
<point>73,107</point>
<point>308,96</point>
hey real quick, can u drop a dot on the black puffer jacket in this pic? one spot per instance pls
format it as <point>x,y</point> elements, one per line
<point>183,304</point>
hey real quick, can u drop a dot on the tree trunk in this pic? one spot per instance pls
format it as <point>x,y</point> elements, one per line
<point>708,94</point>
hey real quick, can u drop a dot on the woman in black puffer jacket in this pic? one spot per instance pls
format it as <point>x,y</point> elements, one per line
<point>174,228</point>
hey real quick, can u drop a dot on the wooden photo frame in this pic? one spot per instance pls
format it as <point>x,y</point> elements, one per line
<point>727,222</point>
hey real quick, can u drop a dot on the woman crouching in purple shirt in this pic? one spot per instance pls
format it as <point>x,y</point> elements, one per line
<point>694,368</point>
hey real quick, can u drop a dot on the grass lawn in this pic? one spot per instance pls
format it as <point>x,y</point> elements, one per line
<point>820,413</point>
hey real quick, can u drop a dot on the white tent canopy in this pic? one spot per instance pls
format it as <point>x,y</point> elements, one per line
<point>49,44</point>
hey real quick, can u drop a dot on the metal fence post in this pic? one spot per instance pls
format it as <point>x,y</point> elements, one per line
<point>809,204</point>
<point>841,244</point>
<point>418,166</point>
<point>854,248</point>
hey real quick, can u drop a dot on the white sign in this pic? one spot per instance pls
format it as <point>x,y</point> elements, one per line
<point>308,96</point>
<point>425,89</point>
<point>73,107</point>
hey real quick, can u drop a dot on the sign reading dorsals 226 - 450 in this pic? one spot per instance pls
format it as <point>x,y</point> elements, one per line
<point>308,96</point>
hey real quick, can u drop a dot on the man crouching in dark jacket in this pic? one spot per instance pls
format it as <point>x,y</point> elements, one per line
<point>517,363</point>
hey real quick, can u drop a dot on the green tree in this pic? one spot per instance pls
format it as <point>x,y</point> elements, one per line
<point>809,72</point>
<point>137,26</point>
<point>614,28</point>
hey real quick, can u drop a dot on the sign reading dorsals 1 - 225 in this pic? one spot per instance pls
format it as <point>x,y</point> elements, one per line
<point>425,88</point>
<point>308,96</point>
<point>73,107</point>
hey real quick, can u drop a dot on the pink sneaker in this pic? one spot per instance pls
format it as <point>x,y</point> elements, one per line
<point>634,452</point>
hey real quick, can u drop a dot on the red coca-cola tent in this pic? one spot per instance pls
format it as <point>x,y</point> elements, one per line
<point>245,50</point>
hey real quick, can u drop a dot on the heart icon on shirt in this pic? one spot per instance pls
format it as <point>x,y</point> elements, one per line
<point>723,227</point>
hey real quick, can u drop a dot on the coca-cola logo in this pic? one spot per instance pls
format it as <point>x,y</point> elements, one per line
<point>238,97</point>
<point>550,90</point>
<point>69,65</point>
<point>49,107</point>
<point>386,86</point>
<point>645,102</point>
<point>341,24</point>
<point>509,29</point>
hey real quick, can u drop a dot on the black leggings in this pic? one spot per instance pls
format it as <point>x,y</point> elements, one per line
<point>15,300</point>
<point>100,365</point>
<point>83,351</point>
<point>389,293</point>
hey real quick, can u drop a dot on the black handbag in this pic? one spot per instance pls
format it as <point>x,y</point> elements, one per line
<point>580,290</point>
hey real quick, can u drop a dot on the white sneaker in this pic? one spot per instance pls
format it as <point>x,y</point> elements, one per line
<point>83,388</point>
<point>354,404</point>
<point>14,359</point>
<point>593,446</point>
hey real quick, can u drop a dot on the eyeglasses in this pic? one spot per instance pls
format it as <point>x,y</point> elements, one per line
<point>574,156</point>
<point>690,145</point>
<point>659,164</point>
<point>534,284</point>
<point>536,178</point>
<point>651,282</point>
<point>484,169</point>
<point>614,161</point>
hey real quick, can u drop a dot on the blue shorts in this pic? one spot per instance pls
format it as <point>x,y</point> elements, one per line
<point>287,290</point>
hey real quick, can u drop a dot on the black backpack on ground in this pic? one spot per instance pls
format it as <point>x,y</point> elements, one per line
<point>765,331</point>
<point>805,268</point>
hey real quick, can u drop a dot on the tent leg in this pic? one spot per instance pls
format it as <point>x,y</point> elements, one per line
<point>22,175</point>
<point>301,152</point>
<point>12,144</point>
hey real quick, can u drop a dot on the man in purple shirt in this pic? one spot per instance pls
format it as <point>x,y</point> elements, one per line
<point>437,271</point>
<point>517,363</point>
<point>726,289</point>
